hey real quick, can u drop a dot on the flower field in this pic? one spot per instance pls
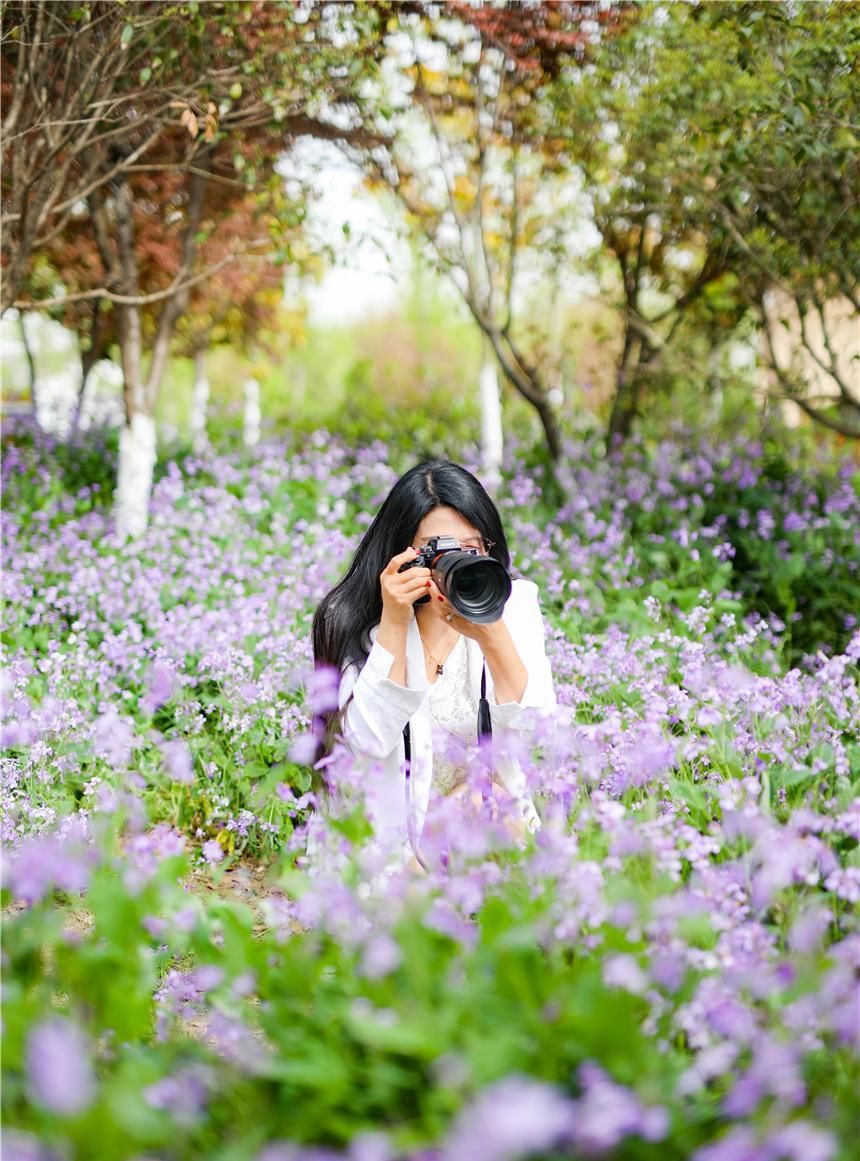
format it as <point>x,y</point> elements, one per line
<point>669,969</point>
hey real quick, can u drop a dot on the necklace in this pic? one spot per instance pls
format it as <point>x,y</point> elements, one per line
<point>439,665</point>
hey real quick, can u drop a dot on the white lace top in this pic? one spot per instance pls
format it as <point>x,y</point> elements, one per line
<point>454,711</point>
<point>455,715</point>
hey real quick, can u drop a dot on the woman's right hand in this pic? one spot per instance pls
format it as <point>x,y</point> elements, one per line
<point>400,590</point>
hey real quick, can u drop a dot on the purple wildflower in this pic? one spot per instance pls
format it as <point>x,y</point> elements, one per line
<point>212,851</point>
<point>183,1095</point>
<point>59,1067</point>
<point>50,862</point>
<point>160,684</point>
<point>606,1113</point>
<point>381,956</point>
<point>178,760</point>
<point>512,1118</point>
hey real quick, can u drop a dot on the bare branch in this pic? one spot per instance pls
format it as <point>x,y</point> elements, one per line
<point>175,305</point>
<point>512,237</point>
<point>132,299</point>
<point>851,431</point>
<point>460,224</point>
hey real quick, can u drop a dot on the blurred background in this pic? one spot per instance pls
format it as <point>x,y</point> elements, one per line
<point>438,224</point>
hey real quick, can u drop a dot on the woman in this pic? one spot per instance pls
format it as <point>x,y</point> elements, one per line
<point>409,670</point>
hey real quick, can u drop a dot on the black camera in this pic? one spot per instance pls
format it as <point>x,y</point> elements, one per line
<point>477,586</point>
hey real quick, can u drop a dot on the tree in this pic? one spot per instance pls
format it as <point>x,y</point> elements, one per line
<point>473,156</point>
<point>786,192</point>
<point>233,304</point>
<point>101,100</point>
<point>717,141</point>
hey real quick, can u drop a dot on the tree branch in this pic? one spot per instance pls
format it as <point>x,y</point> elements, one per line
<point>133,299</point>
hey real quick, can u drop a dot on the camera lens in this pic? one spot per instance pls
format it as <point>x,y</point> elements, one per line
<point>476,586</point>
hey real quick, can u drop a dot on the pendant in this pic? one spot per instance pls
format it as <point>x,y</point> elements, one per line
<point>438,669</point>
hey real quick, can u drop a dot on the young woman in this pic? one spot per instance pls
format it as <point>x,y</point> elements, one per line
<point>421,666</point>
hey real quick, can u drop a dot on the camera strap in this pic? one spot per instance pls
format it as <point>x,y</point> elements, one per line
<point>485,730</point>
<point>407,789</point>
<point>485,722</point>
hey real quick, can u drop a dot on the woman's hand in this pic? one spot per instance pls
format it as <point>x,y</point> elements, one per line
<point>485,635</point>
<point>400,590</point>
<point>510,675</point>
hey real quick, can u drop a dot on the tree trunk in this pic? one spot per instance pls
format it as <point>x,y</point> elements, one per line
<point>626,400</point>
<point>626,406</point>
<point>624,410</point>
<point>31,366</point>
<point>252,412</point>
<point>492,435</point>
<point>199,404</point>
<point>97,350</point>
<point>526,382</point>
<point>551,431</point>
<point>137,447</point>
<point>137,438</point>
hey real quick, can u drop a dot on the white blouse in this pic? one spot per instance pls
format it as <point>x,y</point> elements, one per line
<point>375,710</point>
<point>454,714</point>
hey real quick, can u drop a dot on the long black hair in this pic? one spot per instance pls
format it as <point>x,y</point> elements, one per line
<point>346,614</point>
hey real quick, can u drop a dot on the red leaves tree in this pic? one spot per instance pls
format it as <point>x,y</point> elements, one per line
<point>131,133</point>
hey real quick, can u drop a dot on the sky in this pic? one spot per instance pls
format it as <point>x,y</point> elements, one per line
<point>374,261</point>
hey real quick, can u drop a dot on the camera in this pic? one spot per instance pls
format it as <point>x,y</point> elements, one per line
<point>477,586</point>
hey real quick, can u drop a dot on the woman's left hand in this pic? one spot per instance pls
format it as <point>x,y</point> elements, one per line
<point>485,635</point>
<point>510,675</point>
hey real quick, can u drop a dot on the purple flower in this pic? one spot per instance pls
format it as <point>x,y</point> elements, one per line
<point>59,1068</point>
<point>323,685</point>
<point>809,929</point>
<point>19,1146</point>
<point>113,738</point>
<point>796,1141</point>
<point>182,994</point>
<point>370,1146</point>
<point>381,956</point>
<point>51,862</point>
<point>800,1141</point>
<point>178,760</point>
<point>622,971</point>
<point>212,851</point>
<point>304,749</point>
<point>739,1144</point>
<point>183,1095</point>
<point>607,1113</point>
<point>236,1042</point>
<point>144,853</point>
<point>512,1118</point>
<point>160,684</point>
<point>774,1071</point>
<point>845,884</point>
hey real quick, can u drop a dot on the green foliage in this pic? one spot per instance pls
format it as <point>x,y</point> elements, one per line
<point>805,571</point>
<point>326,1051</point>
<point>731,172</point>
<point>409,378</point>
<point>293,1037</point>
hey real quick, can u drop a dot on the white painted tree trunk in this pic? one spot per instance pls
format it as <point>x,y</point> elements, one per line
<point>492,436</point>
<point>134,485</point>
<point>252,412</point>
<point>199,404</point>
<point>35,393</point>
